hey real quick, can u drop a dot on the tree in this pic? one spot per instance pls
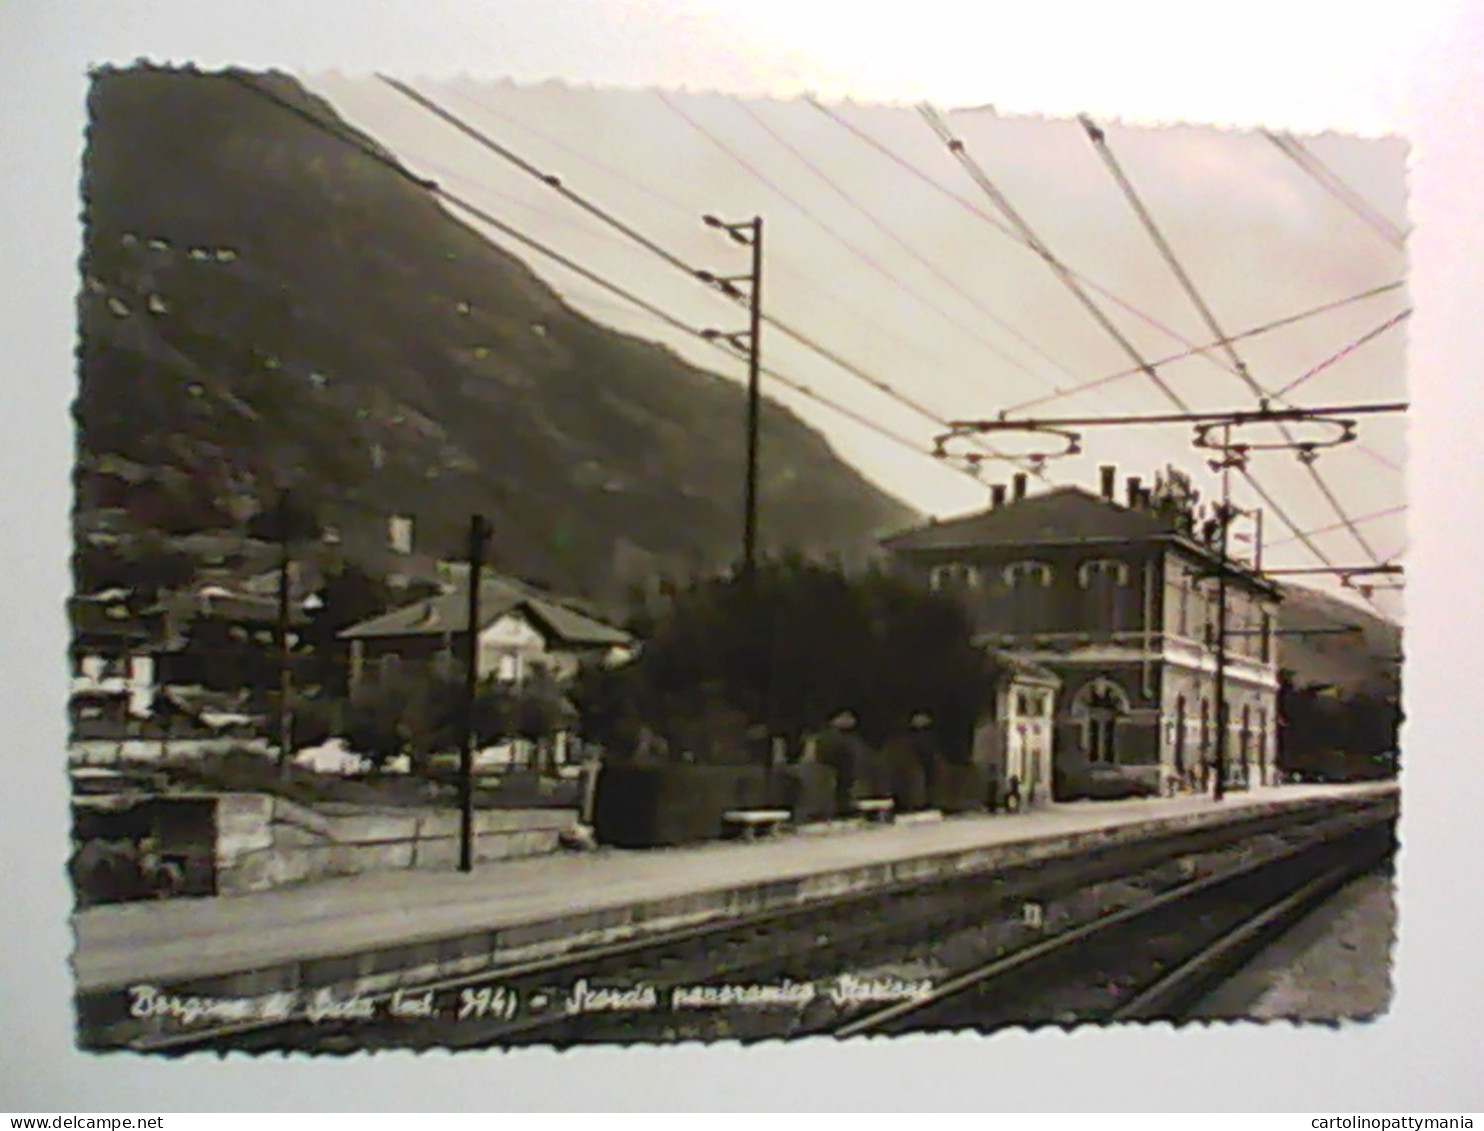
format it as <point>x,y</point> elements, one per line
<point>538,710</point>
<point>790,648</point>
<point>1327,732</point>
<point>349,596</point>
<point>417,717</point>
<point>287,518</point>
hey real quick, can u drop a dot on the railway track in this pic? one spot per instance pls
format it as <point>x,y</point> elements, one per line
<point>1154,961</point>
<point>624,988</point>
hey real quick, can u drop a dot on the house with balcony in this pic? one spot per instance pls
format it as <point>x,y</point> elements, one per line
<point>1118,600</point>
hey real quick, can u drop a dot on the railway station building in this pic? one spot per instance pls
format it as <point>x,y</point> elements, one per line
<point>1117,599</point>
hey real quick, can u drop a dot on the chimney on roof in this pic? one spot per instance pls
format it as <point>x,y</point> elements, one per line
<point>997,496</point>
<point>1021,481</point>
<point>1109,481</point>
<point>1135,490</point>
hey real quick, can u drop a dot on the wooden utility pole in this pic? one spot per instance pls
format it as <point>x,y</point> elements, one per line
<point>284,728</point>
<point>479,533</point>
<point>754,398</point>
<point>750,234</point>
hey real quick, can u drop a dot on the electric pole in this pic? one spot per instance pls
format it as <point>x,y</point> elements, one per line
<point>284,727</point>
<point>754,397</point>
<point>1223,530</point>
<point>479,533</point>
<point>748,233</point>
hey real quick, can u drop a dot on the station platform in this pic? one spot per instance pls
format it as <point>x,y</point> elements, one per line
<point>373,932</point>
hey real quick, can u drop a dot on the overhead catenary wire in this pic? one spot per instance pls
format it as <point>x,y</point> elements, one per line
<point>1340,355</point>
<point>1099,141</point>
<point>1374,516</point>
<point>1000,226</point>
<point>858,252</point>
<point>978,175</point>
<point>1328,180</point>
<point>777,259</point>
<point>932,268</point>
<point>655,248</point>
<point>557,257</point>
<point>1170,359</point>
<point>1060,269</point>
<point>1191,350</point>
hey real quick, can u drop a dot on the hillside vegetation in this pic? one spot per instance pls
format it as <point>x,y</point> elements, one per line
<point>263,305</point>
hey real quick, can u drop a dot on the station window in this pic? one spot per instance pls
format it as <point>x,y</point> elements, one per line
<point>1115,572</point>
<point>1103,581</point>
<point>1180,734</point>
<point>953,575</point>
<point>1101,705</point>
<point>1182,603</point>
<point>1019,575</point>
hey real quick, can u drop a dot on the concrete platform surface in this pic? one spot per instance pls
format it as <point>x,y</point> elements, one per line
<point>173,940</point>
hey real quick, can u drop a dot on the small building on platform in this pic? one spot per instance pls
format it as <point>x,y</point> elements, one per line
<point>1014,746</point>
<point>1118,601</point>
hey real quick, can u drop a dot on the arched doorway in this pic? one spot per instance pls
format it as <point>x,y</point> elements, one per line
<point>1099,706</point>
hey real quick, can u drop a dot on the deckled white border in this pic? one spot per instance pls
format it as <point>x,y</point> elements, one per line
<point>1407,69</point>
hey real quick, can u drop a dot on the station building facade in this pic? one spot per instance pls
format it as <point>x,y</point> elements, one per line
<point>1118,601</point>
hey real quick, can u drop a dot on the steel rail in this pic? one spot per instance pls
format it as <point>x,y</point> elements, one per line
<point>1178,991</point>
<point>581,959</point>
<point>1064,941</point>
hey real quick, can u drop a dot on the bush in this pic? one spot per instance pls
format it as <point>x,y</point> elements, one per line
<point>107,872</point>
<point>959,787</point>
<point>315,720</point>
<point>860,771</point>
<point>649,806</point>
<point>908,779</point>
<point>807,790</point>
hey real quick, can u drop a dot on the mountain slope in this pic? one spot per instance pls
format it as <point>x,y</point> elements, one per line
<point>265,305</point>
<point>1368,661</point>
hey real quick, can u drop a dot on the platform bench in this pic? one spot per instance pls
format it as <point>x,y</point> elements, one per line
<point>750,822</point>
<point>881,810</point>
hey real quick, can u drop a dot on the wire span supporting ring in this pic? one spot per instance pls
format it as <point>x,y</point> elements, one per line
<point>974,461</point>
<point>1215,436</point>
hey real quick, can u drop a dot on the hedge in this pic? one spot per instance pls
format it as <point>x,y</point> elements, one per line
<point>908,780</point>
<point>807,789</point>
<point>648,806</point>
<point>682,803</point>
<point>959,787</point>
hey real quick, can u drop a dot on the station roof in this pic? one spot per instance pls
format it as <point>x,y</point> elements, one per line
<point>1064,516</point>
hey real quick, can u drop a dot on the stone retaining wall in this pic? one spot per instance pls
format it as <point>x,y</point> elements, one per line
<point>265,842</point>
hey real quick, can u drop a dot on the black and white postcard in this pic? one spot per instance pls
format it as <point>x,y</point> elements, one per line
<point>559,565</point>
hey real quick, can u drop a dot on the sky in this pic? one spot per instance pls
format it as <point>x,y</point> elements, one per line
<point>904,267</point>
